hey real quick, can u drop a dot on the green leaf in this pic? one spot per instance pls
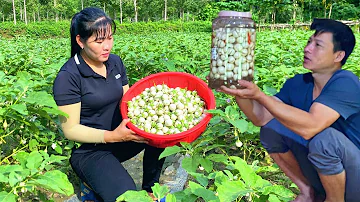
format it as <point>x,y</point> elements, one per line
<point>14,178</point>
<point>202,179</point>
<point>20,108</point>
<point>170,198</point>
<point>217,158</point>
<point>170,65</point>
<point>7,169</point>
<point>200,191</point>
<point>34,160</point>
<point>3,178</point>
<point>220,178</point>
<point>207,164</point>
<point>240,124</point>
<point>55,181</point>
<point>159,191</point>
<point>269,90</point>
<point>216,112</point>
<point>2,111</point>
<point>190,164</point>
<point>170,151</point>
<point>215,120</point>
<point>7,197</point>
<point>232,190</point>
<point>279,190</point>
<point>273,198</point>
<point>41,98</point>
<point>33,143</point>
<point>185,195</point>
<point>58,159</point>
<point>55,111</point>
<point>22,157</point>
<point>229,174</point>
<point>186,145</point>
<point>135,196</point>
<point>58,149</point>
<point>23,82</point>
<point>230,111</point>
<point>248,174</point>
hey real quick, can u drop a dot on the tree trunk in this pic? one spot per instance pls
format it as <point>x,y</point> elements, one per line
<point>14,12</point>
<point>136,11</point>
<point>294,13</point>
<point>165,10</point>
<point>121,12</point>
<point>330,11</point>
<point>273,17</point>
<point>82,4</point>
<point>25,17</point>
<point>56,13</point>
<point>187,16</point>
<point>104,8</point>
<point>38,15</point>
<point>34,16</point>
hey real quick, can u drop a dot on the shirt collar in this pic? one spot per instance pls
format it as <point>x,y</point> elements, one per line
<point>86,70</point>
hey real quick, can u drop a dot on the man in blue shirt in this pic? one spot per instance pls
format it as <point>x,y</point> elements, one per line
<point>311,128</point>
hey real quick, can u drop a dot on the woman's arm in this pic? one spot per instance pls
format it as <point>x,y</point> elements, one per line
<point>125,89</point>
<point>73,130</point>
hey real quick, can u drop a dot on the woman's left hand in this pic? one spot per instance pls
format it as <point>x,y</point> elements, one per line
<point>123,134</point>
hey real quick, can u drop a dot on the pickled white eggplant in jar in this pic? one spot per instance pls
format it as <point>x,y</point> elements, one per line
<point>232,49</point>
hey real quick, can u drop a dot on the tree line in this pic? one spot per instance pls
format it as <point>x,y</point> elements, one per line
<point>264,11</point>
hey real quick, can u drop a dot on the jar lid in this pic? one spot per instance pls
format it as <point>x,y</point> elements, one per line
<point>235,14</point>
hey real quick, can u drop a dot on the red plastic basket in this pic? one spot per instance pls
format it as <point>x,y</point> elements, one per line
<point>173,80</point>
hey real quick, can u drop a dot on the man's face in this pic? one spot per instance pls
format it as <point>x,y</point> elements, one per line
<point>319,53</point>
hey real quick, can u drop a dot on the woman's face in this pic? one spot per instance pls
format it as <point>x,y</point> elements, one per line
<point>97,48</point>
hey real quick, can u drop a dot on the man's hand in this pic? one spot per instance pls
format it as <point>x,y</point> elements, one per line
<point>123,134</point>
<point>249,90</point>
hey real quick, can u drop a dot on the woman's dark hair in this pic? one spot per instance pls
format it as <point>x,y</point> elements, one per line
<point>87,22</point>
<point>343,36</point>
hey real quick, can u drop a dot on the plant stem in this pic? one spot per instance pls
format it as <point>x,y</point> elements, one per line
<point>12,154</point>
<point>2,137</point>
<point>19,97</point>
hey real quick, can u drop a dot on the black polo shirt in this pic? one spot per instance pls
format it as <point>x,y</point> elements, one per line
<point>99,96</point>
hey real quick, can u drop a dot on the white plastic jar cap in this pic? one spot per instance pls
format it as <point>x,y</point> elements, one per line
<point>235,14</point>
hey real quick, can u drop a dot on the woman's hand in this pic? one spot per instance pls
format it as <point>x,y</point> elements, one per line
<point>123,134</point>
<point>249,90</point>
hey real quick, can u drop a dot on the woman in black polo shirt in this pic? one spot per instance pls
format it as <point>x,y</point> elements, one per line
<point>89,87</point>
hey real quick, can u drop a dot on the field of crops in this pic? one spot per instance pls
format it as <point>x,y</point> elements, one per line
<point>33,152</point>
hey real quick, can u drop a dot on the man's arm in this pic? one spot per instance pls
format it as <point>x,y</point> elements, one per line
<point>255,111</point>
<point>305,124</point>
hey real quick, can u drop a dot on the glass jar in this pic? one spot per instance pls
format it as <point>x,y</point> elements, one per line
<point>232,49</point>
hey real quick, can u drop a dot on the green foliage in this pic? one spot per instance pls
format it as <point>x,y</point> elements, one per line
<point>345,10</point>
<point>46,29</point>
<point>29,136</point>
<point>164,26</point>
<point>30,172</point>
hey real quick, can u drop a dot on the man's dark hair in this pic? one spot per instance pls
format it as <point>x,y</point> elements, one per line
<point>343,36</point>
